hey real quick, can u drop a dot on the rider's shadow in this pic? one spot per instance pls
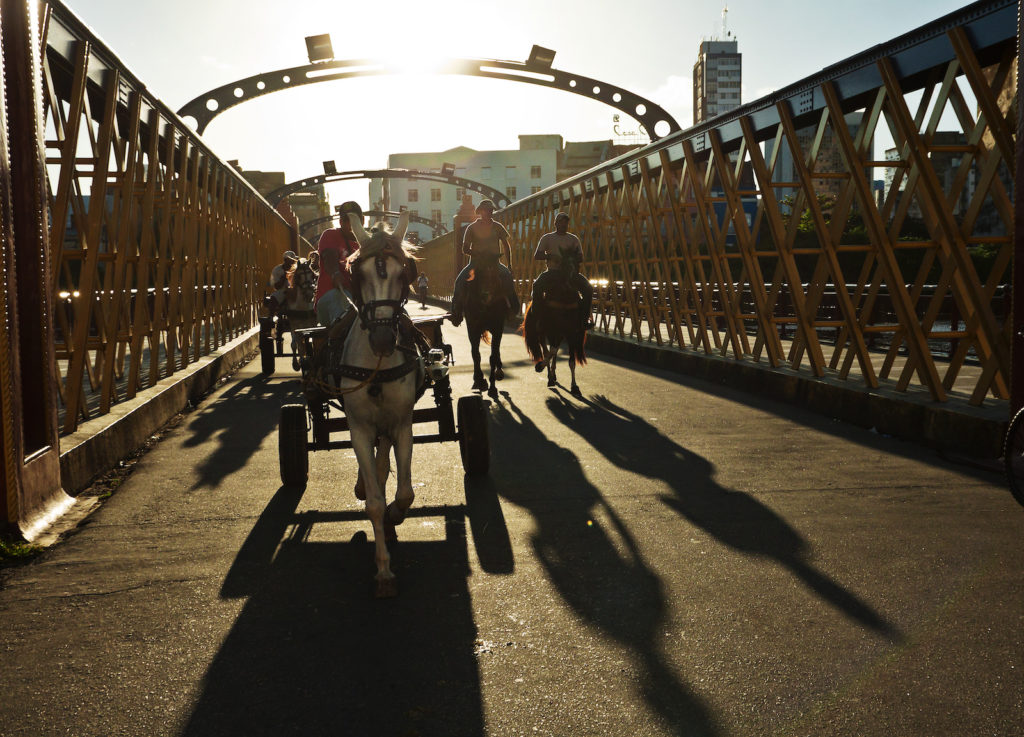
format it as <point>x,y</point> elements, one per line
<point>596,567</point>
<point>312,653</point>
<point>252,404</point>
<point>732,517</point>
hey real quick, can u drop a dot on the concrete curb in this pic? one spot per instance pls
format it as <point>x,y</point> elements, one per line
<point>99,444</point>
<point>952,426</point>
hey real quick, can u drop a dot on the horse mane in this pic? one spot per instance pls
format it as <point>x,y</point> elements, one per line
<point>380,239</point>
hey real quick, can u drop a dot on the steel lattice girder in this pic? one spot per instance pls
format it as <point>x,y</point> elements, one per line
<point>298,185</point>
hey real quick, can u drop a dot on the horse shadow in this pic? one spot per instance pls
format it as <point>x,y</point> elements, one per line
<point>732,517</point>
<point>614,591</point>
<point>312,653</point>
<point>239,419</point>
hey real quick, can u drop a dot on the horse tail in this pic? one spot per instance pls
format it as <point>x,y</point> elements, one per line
<point>531,333</point>
<point>579,348</point>
<point>485,336</point>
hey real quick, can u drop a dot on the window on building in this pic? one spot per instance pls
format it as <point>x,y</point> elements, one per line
<point>485,172</point>
<point>511,192</point>
<point>535,189</point>
<point>510,172</point>
<point>414,213</point>
<point>460,192</point>
<point>436,216</point>
<point>534,172</point>
<point>414,195</point>
<point>435,194</point>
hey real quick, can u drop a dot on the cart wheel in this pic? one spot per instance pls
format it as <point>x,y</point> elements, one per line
<point>266,345</point>
<point>474,442</point>
<point>1013,456</point>
<point>291,445</point>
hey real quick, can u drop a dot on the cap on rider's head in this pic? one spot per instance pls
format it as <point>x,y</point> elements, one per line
<point>290,256</point>
<point>485,205</point>
<point>350,207</point>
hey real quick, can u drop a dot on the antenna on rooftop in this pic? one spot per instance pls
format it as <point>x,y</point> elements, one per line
<point>725,14</point>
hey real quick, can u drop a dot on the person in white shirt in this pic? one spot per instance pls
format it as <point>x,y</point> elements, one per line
<point>279,281</point>
<point>562,249</point>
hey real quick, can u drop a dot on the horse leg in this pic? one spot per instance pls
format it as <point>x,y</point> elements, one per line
<point>573,389</point>
<point>479,383</point>
<point>404,497</point>
<point>363,445</point>
<point>552,381</point>
<point>496,373</point>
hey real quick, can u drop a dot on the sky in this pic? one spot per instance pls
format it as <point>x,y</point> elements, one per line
<point>181,50</point>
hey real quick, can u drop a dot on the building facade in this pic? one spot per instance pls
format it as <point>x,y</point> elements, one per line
<point>539,162</point>
<point>717,79</point>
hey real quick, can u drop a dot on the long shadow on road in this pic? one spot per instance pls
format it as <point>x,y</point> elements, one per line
<point>614,592</point>
<point>239,419</point>
<point>732,517</point>
<point>311,653</point>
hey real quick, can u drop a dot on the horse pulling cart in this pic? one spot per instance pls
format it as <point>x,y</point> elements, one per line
<point>315,424</point>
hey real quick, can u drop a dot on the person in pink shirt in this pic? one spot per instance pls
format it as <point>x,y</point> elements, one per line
<point>333,288</point>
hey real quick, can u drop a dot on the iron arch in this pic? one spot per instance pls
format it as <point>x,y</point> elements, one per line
<point>298,185</point>
<point>437,227</point>
<point>207,106</point>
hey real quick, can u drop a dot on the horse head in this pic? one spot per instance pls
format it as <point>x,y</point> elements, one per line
<point>382,270</point>
<point>303,279</point>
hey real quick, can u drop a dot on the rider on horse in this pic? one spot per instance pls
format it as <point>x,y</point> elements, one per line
<point>335,282</point>
<point>279,282</point>
<point>483,242</point>
<point>564,253</point>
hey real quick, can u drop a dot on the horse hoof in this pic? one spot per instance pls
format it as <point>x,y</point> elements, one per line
<point>295,364</point>
<point>538,367</point>
<point>480,385</point>
<point>499,374</point>
<point>360,490</point>
<point>552,382</point>
<point>493,392</point>
<point>386,589</point>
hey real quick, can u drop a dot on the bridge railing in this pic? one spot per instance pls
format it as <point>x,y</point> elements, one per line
<point>762,236</point>
<point>139,205</point>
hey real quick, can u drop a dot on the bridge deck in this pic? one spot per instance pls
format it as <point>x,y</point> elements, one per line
<point>666,556</point>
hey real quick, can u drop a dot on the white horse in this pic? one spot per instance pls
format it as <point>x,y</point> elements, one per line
<point>299,303</point>
<point>379,378</point>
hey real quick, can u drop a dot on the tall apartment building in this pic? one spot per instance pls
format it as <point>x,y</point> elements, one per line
<point>717,79</point>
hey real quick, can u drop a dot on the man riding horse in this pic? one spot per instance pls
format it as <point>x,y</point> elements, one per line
<point>484,242</point>
<point>279,282</point>
<point>564,254</point>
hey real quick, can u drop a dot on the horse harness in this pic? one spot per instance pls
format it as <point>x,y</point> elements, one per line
<point>365,313</point>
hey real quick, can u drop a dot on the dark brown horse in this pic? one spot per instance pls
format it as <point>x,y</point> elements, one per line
<point>552,319</point>
<point>486,310</point>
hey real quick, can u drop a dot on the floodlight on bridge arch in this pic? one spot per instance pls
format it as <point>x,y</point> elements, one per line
<point>655,120</point>
<point>275,196</point>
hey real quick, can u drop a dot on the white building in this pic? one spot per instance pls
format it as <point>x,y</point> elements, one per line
<point>517,173</point>
<point>717,79</point>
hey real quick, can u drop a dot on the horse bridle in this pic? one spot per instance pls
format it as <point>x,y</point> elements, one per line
<point>367,310</point>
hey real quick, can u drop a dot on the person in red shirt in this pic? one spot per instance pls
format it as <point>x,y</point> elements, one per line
<point>333,288</point>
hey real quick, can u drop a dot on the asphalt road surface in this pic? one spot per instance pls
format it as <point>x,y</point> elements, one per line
<point>661,557</point>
